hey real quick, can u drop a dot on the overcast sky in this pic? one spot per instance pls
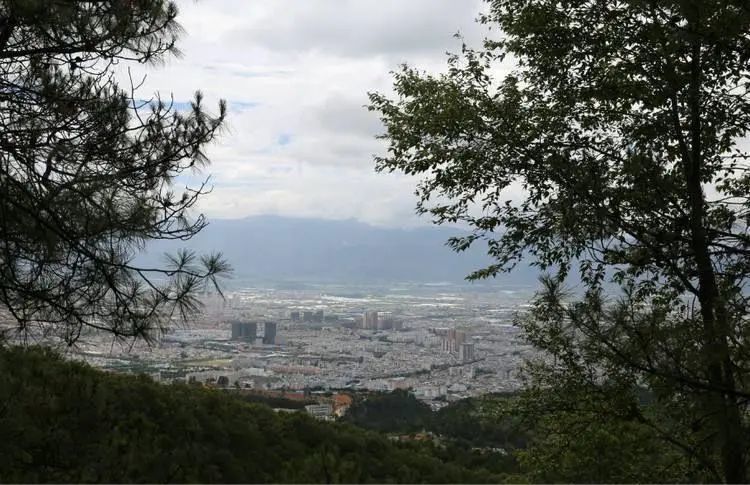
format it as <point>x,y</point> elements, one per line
<point>296,74</point>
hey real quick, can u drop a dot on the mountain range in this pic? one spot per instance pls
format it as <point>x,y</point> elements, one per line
<point>274,248</point>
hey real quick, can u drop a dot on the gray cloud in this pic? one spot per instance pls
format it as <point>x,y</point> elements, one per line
<point>296,73</point>
<point>392,28</point>
<point>342,113</point>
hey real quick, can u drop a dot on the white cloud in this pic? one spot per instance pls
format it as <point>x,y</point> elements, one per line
<point>356,28</point>
<point>296,75</point>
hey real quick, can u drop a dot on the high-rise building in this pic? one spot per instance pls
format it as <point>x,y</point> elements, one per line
<point>250,332</point>
<point>466,352</point>
<point>269,335</point>
<point>236,330</point>
<point>370,320</point>
<point>294,316</point>
<point>453,340</point>
<point>385,321</point>
<point>460,339</point>
<point>307,317</point>
<point>318,316</point>
<point>244,330</point>
<point>449,340</point>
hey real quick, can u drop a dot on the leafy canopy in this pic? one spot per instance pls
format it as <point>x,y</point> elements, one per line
<point>620,127</point>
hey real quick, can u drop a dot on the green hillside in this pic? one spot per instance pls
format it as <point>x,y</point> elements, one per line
<point>67,422</point>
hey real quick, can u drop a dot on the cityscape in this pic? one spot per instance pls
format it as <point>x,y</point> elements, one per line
<point>442,343</point>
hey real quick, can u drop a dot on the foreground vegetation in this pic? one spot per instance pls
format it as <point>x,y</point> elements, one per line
<point>530,437</point>
<point>67,422</point>
<point>604,141</point>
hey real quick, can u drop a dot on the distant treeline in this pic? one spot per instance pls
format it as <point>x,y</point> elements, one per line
<point>271,401</point>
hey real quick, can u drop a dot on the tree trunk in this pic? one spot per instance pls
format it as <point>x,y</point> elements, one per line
<point>722,403</point>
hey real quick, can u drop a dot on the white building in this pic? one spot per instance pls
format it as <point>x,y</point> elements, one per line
<point>320,411</point>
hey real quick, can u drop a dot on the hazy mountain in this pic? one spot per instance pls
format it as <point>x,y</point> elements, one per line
<point>290,249</point>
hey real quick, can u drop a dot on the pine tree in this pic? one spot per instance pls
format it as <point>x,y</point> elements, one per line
<point>89,171</point>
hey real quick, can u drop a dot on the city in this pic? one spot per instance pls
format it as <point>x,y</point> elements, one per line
<point>442,344</point>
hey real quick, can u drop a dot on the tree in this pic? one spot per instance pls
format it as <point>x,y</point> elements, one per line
<point>621,126</point>
<point>89,171</point>
<point>599,450</point>
<point>392,412</point>
<point>66,422</point>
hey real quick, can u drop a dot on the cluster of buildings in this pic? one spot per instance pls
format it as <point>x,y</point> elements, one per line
<point>326,407</point>
<point>307,316</point>
<point>440,345</point>
<point>329,408</point>
<point>316,317</point>
<point>374,320</point>
<point>456,342</point>
<point>248,331</point>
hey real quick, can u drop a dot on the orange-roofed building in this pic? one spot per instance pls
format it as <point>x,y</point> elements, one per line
<point>341,403</point>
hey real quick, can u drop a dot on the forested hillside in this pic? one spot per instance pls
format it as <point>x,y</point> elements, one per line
<point>554,444</point>
<point>67,422</point>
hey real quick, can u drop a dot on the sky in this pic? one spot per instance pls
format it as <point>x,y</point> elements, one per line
<point>295,74</point>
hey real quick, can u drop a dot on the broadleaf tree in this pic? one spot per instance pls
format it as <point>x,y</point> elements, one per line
<point>90,170</point>
<point>623,126</point>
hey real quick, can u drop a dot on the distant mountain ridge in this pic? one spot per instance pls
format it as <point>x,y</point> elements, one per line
<point>295,249</point>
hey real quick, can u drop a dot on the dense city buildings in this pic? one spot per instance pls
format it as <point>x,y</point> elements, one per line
<point>441,343</point>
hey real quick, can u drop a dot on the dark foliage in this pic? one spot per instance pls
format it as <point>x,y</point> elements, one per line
<point>88,170</point>
<point>612,145</point>
<point>392,412</point>
<point>468,432</point>
<point>271,401</point>
<point>66,422</point>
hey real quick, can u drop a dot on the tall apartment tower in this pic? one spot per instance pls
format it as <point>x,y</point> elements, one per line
<point>242,330</point>
<point>460,340</point>
<point>370,320</point>
<point>250,331</point>
<point>269,335</point>
<point>385,321</point>
<point>466,352</point>
<point>236,330</point>
<point>453,340</point>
